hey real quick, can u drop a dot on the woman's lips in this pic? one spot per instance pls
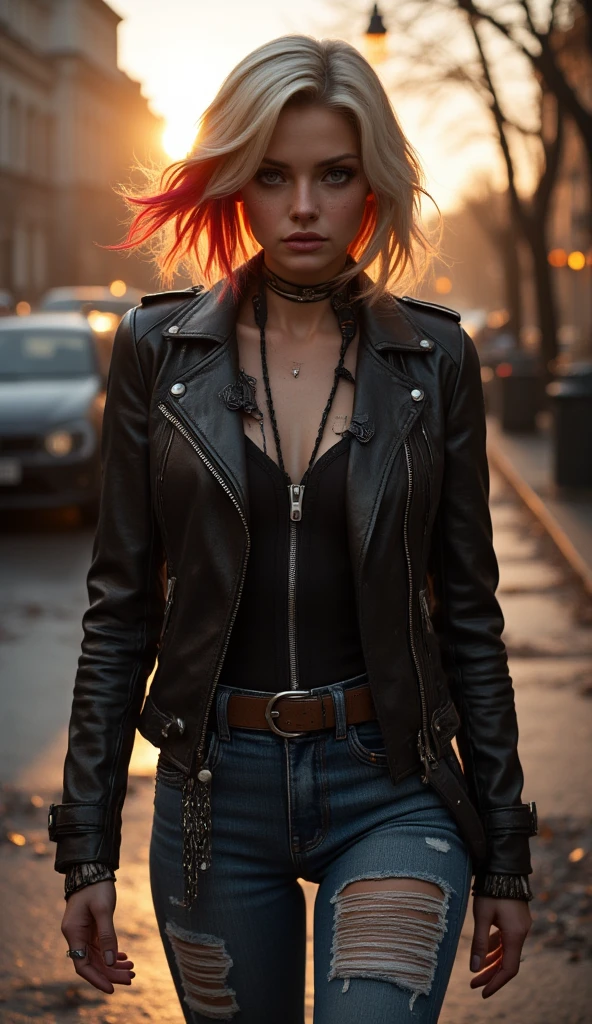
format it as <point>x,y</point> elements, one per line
<point>304,244</point>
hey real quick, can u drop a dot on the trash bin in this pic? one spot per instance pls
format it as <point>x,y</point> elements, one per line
<point>518,386</point>
<point>571,398</point>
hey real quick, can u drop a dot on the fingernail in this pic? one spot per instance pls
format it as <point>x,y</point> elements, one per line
<point>475,963</point>
<point>132,974</point>
<point>109,957</point>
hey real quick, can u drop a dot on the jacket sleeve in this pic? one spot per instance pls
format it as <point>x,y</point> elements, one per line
<point>469,622</point>
<point>121,626</point>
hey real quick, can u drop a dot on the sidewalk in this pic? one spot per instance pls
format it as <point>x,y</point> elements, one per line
<point>526,462</point>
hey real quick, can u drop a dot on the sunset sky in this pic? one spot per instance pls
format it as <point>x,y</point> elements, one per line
<point>181,50</point>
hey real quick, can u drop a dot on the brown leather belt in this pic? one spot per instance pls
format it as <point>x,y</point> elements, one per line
<point>293,712</point>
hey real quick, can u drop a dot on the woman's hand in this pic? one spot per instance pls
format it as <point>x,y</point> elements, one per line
<point>496,955</point>
<point>88,922</point>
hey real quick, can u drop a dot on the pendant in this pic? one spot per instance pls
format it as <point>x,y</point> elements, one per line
<point>296,369</point>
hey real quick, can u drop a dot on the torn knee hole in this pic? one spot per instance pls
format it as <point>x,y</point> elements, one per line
<point>203,964</point>
<point>389,929</point>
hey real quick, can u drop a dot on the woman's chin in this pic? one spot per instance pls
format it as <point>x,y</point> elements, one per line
<point>315,265</point>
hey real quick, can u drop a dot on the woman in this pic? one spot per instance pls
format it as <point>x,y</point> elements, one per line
<point>294,517</point>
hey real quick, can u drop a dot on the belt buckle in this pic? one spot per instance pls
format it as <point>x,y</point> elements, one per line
<point>270,714</point>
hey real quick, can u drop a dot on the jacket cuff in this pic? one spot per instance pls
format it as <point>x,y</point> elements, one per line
<point>80,833</point>
<point>502,887</point>
<point>508,830</point>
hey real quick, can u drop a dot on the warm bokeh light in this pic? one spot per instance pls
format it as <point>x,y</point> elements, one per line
<point>443,285</point>
<point>504,370</point>
<point>102,322</point>
<point>557,257</point>
<point>576,260</point>
<point>486,374</point>
<point>118,288</point>
<point>497,318</point>
<point>23,308</point>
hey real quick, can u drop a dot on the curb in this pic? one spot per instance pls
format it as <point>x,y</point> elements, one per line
<point>546,518</point>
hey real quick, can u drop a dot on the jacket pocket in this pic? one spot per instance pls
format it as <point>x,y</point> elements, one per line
<point>155,725</point>
<point>445,725</point>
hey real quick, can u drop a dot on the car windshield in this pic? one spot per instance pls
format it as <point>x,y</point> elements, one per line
<point>42,353</point>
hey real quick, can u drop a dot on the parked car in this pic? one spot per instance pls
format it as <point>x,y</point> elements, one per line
<point>87,298</point>
<point>6,302</point>
<point>53,371</point>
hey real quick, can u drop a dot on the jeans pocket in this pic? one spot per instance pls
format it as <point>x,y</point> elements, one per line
<point>366,743</point>
<point>167,772</point>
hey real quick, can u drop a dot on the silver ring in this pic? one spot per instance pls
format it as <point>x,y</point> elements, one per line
<point>77,954</point>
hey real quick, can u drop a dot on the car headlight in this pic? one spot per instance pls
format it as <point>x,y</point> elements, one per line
<point>60,443</point>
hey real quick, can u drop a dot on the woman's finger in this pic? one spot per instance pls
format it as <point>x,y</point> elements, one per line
<point>487,973</point>
<point>495,940</point>
<point>512,943</point>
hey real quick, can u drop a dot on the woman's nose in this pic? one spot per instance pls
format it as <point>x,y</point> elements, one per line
<point>304,203</point>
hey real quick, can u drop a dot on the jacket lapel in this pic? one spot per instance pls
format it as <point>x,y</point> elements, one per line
<point>384,395</point>
<point>217,430</point>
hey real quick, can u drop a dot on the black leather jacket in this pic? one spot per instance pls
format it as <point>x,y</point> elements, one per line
<point>175,507</point>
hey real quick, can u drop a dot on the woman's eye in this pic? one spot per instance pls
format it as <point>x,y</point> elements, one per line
<point>339,175</point>
<point>269,177</point>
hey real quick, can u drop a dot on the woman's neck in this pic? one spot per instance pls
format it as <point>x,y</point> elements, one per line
<point>300,321</point>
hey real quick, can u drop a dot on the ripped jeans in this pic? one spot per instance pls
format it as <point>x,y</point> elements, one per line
<point>320,807</point>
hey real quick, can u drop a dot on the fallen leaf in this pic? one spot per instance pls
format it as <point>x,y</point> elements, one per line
<point>16,838</point>
<point>576,855</point>
<point>37,800</point>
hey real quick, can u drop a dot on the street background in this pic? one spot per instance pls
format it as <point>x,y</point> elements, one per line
<point>498,100</point>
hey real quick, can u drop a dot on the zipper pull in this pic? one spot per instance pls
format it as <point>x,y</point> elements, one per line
<point>296,492</point>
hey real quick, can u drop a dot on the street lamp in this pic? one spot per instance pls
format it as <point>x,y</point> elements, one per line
<point>376,38</point>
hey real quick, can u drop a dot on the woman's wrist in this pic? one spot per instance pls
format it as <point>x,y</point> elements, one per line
<point>81,875</point>
<point>503,887</point>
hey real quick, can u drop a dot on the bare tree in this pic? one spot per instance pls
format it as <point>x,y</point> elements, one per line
<point>535,40</point>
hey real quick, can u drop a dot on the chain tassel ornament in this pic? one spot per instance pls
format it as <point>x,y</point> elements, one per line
<point>196,819</point>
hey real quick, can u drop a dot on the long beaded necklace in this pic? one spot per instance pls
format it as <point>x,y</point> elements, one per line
<point>342,308</point>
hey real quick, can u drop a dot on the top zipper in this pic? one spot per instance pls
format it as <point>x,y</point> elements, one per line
<point>296,496</point>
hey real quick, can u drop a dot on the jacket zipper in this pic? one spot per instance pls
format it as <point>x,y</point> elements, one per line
<point>296,495</point>
<point>189,437</point>
<point>423,740</point>
<point>168,605</point>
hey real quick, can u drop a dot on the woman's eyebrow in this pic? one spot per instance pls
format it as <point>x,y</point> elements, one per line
<point>321,163</point>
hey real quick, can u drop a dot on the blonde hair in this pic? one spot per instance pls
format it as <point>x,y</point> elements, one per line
<point>194,216</point>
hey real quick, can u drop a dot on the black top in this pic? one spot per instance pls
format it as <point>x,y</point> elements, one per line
<point>327,632</point>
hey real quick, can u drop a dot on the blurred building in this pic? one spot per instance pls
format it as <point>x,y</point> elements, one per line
<point>71,126</point>
<point>570,228</point>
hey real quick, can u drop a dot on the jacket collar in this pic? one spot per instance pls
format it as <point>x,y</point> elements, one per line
<point>386,325</point>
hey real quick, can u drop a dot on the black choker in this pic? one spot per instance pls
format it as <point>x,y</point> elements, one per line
<point>298,292</point>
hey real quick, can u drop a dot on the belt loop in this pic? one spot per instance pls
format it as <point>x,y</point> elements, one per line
<point>222,698</point>
<point>340,712</point>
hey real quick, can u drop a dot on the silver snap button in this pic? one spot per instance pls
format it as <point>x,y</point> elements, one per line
<point>204,775</point>
<point>174,329</point>
<point>178,389</point>
<point>424,343</point>
<point>417,395</point>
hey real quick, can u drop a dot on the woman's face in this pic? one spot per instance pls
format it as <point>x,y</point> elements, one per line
<point>306,202</point>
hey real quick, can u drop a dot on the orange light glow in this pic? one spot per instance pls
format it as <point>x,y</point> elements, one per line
<point>178,138</point>
<point>497,318</point>
<point>118,288</point>
<point>443,285</point>
<point>576,260</point>
<point>16,838</point>
<point>102,322</point>
<point>557,258</point>
<point>504,370</point>
<point>486,374</point>
<point>23,308</point>
<point>576,855</point>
